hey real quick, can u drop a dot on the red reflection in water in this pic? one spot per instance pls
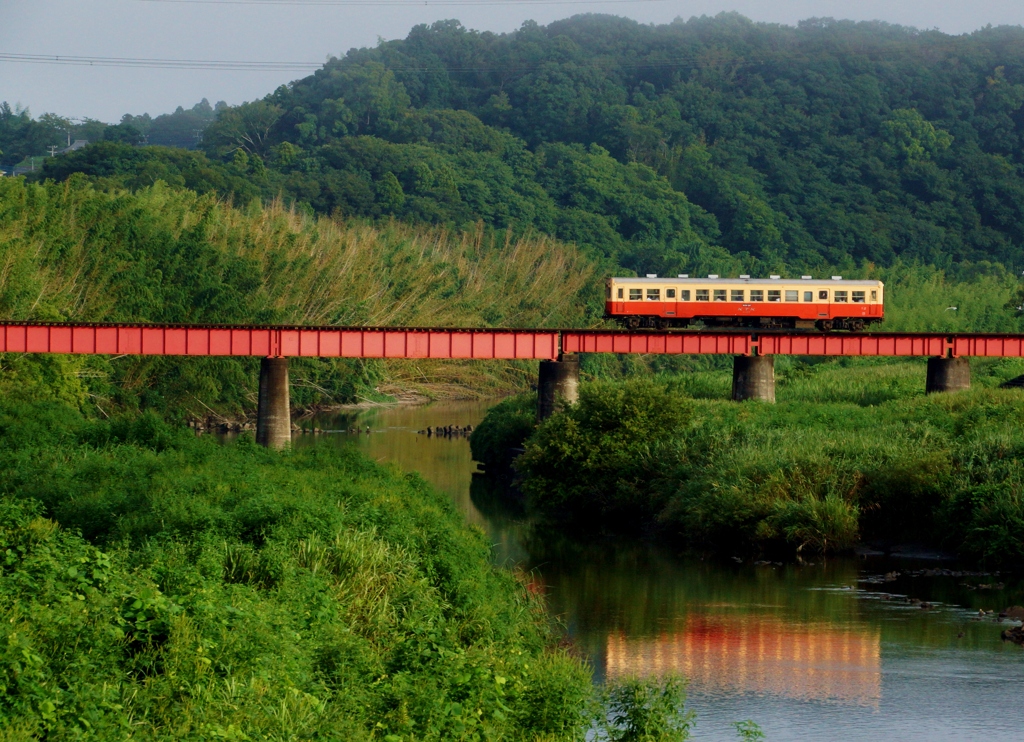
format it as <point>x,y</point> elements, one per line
<point>761,655</point>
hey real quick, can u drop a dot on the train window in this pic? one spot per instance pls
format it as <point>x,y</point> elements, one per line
<point>840,297</point>
<point>736,295</point>
<point>620,293</point>
<point>702,294</point>
<point>874,296</point>
<point>636,294</point>
<point>858,297</point>
<point>774,295</point>
<point>823,295</point>
<point>792,295</point>
<point>808,296</point>
<point>756,295</point>
<point>670,293</point>
<point>653,294</point>
<point>684,295</point>
<point>608,291</point>
<point>719,294</point>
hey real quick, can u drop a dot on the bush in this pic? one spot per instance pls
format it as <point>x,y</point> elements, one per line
<point>826,524</point>
<point>596,458</point>
<point>157,584</point>
<point>505,428</point>
<point>645,710</point>
<point>802,475</point>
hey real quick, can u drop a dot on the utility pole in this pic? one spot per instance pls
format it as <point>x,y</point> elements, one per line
<point>53,150</point>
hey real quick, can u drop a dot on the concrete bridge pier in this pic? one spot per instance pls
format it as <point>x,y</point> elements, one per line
<point>948,375</point>
<point>753,377</point>
<point>273,414</point>
<point>558,385</point>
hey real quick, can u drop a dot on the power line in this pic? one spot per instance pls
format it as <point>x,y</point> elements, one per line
<point>176,64</point>
<point>386,3</point>
<point>710,57</point>
<point>238,65</point>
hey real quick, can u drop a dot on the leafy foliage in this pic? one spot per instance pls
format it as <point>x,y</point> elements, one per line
<point>646,710</point>
<point>712,142</point>
<point>850,452</point>
<point>596,459</point>
<point>507,426</point>
<point>232,592</point>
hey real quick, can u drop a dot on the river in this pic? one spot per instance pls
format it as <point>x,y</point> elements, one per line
<point>827,650</point>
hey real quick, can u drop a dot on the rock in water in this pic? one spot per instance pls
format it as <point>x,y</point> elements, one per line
<point>1015,635</point>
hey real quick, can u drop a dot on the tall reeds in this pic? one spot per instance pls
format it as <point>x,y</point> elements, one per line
<point>71,252</point>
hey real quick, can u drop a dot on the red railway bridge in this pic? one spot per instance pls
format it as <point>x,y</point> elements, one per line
<point>557,349</point>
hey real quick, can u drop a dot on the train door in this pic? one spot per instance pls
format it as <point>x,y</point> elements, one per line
<point>823,304</point>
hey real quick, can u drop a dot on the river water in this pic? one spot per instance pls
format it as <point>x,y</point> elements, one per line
<point>814,651</point>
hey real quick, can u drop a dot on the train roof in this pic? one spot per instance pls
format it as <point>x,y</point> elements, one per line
<point>753,281</point>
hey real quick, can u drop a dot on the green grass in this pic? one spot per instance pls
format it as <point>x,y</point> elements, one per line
<point>159,586</point>
<point>853,450</point>
<point>75,252</point>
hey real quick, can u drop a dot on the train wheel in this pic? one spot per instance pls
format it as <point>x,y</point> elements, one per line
<point>633,323</point>
<point>825,325</point>
<point>855,325</point>
<point>663,323</point>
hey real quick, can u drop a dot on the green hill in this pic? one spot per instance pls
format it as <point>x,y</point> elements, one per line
<point>830,144</point>
<point>710,145</point>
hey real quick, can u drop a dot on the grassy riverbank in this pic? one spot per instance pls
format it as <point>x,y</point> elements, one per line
<point>161,586</point>
<point>852,451</point>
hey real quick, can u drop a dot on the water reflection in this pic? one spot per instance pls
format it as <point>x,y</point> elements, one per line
<point>764,655</point>
<point>639,610</point>
<point>445,462</point>
<point>808,651</point>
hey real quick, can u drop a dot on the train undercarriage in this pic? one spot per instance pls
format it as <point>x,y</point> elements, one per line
<point>639,322</point>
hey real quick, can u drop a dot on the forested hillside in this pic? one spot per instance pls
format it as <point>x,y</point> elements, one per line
<point>831,144</point>
<point>23,136</point>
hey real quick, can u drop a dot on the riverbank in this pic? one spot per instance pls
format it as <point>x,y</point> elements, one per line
<point>229,591</point>
<point>773,642</point>
<point>852,454</point>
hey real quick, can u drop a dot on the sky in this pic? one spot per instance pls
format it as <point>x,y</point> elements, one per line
<point>309,31</point>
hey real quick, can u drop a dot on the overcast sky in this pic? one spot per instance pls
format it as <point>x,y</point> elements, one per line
<point>252,31</point>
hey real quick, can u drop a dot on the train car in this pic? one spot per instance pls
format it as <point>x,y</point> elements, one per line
<point>804,303</point>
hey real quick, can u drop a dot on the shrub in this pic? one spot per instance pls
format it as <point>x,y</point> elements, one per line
<point>800,475</point>
<point>596,458</point>
<point>157,584</point>
<point>821,525</point>
<point>645,710</point>
<point>505,428</point>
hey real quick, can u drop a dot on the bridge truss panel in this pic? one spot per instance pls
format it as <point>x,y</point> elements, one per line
<point>599,341</point>
<point>904,344</point>
<point>471,343</point>
<point>317,342</point>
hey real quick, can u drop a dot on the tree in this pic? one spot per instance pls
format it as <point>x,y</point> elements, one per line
<point>247,127</point>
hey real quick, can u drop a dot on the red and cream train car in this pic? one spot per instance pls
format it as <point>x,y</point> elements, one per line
<point>835,304</point>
